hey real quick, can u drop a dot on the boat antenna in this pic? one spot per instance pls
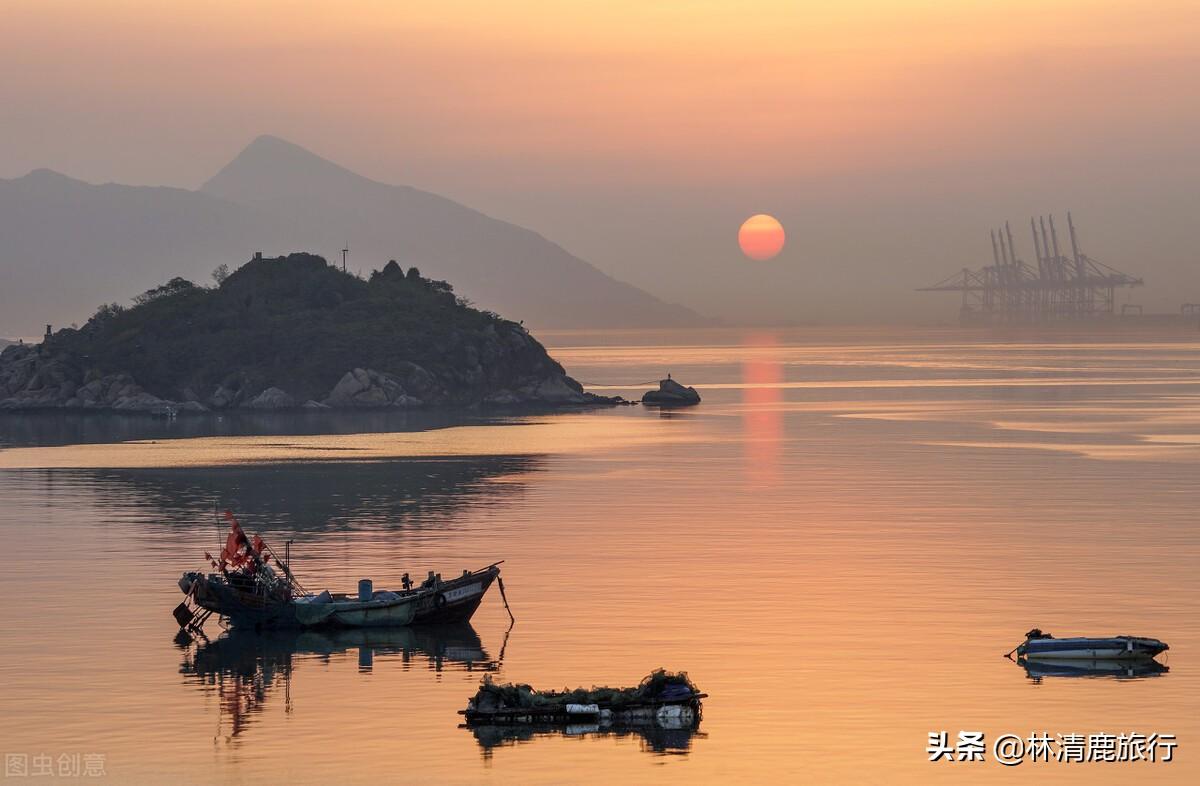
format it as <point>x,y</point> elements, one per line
<point>217,523</point>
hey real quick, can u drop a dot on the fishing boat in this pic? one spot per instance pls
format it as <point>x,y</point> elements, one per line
<point>1043,646</point>
<point>247,591</point>
<point>664,699</point>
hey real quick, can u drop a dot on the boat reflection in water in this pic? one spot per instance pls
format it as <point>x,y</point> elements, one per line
<point>655,737</point>
<point>245,668</point>
<point>1037,669</point>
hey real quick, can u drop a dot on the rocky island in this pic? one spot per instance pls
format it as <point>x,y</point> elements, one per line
<point>671,394</point>
<point>287,333</point>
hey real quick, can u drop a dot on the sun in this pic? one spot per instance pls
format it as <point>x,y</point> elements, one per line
<point>761,237</point>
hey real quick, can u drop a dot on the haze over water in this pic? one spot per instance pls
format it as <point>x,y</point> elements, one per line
<point>838,546</point>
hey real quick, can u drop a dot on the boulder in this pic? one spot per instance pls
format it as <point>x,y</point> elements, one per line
<point>390,387</point>
<point>502,398</point>
<point>271,398</point>
<point>350,385</point>
<point>555,390</point>
<point>371,397</point>
<point>416,381</point>
<point>370,389</point>
<point>92,391</point>
<point>551,390</point>
<point>671,394</point>
<point>222,397</point>
<point>141,402</point>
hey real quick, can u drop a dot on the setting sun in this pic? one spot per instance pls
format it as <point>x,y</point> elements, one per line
<point>761,237</point>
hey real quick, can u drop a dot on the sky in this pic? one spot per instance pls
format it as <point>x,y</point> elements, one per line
<point>888,137</point>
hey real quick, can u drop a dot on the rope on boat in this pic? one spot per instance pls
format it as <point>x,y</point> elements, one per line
<point>500,584</point>
<point>504,644</point>
<point>618,384</point>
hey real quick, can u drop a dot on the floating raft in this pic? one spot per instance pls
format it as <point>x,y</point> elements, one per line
<point>665,699</point>
<point>1043,646</point>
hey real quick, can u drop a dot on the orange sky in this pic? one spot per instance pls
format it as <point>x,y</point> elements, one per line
<point>744,88</point>
<point>580,119</point>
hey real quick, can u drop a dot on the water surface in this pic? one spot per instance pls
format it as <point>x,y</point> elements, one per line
<point>838,545</point>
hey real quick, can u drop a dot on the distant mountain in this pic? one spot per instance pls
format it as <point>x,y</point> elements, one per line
<point>504,267</point>
<point>65,244</point>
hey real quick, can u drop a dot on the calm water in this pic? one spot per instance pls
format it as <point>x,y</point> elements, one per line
<point>838,545</point>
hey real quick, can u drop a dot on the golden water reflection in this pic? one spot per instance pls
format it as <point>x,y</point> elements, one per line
<point>762,375</point>
<point>836,613</point>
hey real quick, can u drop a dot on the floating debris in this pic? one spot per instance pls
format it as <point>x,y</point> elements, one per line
<point>665,699</point>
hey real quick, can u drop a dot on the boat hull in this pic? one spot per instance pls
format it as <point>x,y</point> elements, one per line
<point>1115,648</point>
<point>451,601</point>
<point>459,599</point>
<point>369,615</point>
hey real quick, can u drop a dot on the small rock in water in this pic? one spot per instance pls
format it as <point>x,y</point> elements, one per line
<point>671,394</point>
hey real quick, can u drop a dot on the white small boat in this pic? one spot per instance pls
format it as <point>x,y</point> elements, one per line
<point>1043,646</point>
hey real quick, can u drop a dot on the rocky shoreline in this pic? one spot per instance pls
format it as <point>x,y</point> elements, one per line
<point>32,383</point>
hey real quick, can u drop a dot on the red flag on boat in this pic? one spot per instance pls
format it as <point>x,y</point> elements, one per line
<point>232,552</point>
<point>239,549</point>
<point>233,546</point>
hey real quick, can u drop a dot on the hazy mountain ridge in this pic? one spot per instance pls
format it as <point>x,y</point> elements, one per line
<point>510,269</point>
<point>67,243</point>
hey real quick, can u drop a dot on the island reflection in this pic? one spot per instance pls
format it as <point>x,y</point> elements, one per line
<point>298,496</point>
<point>67,428</point>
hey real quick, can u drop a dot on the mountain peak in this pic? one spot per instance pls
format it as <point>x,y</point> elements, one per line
<point>43,176</point>
<point>271,145</point>
<point>271,165</point>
